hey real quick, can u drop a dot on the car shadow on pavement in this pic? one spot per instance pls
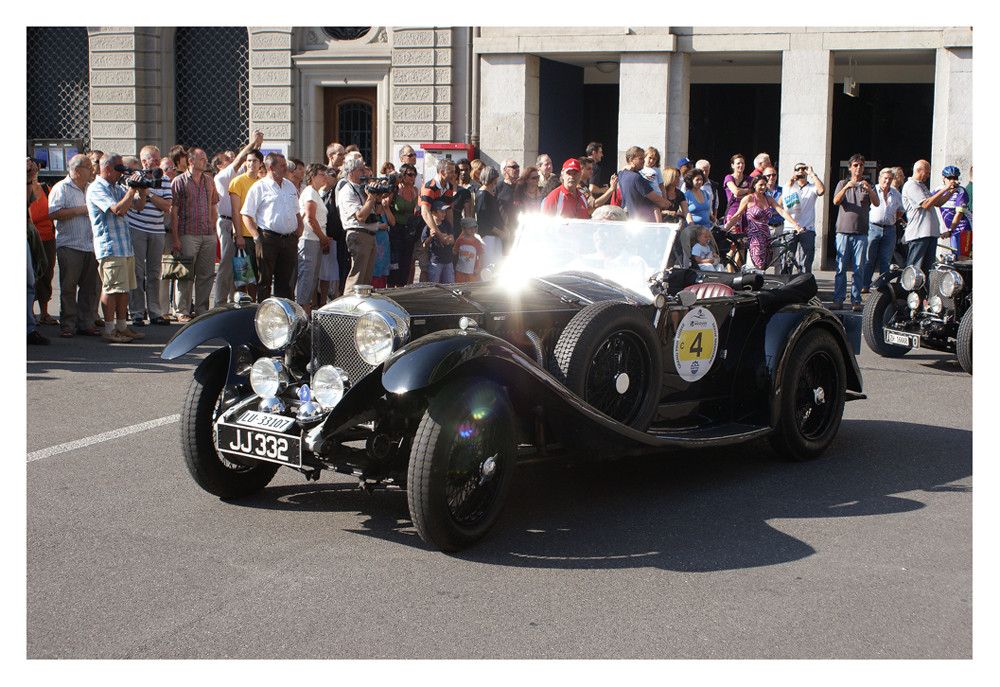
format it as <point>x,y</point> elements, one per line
<point>690,511</point>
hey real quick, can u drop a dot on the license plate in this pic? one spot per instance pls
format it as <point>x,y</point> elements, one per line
<point>254,443</point>
<point>265,421</point>
<point>902,339</point>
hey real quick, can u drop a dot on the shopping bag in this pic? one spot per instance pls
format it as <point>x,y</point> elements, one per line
<point>242,270</point>
<point>177,266</point>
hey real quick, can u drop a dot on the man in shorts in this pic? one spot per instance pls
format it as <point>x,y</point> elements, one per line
<point>107,204</point>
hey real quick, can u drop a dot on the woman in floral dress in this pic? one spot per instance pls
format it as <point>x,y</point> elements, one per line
<point>758,207</point>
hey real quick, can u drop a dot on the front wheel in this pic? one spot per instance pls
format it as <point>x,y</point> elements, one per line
<point>461,464</point>
<point>963,346</point>
<point>210,470</point>
<point>880,308</point>
<point>813,392</point>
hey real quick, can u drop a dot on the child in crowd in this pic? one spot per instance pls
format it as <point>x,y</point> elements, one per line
<point>441,269</point>
<point>702,254</point>
<point>469,251</point>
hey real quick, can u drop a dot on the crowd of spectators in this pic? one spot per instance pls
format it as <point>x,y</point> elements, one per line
<point>313,232</point>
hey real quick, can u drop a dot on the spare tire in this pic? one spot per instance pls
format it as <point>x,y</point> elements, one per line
<point>609,356</point>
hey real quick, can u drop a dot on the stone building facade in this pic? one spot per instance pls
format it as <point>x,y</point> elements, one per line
<point>516,92</point>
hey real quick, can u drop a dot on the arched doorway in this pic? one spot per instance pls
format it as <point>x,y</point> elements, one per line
<point>349,118</point>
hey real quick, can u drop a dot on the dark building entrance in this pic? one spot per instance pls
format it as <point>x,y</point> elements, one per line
<point>889,123</point>
<point>733,118</point>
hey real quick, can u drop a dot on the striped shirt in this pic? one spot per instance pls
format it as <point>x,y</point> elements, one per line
<point>150,220</point>
<point>74,232</point>
<point>194,202</point>
<point>431,191</point>
<point>111,234</point>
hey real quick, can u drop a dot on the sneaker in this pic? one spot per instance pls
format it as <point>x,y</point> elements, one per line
<point>132,334</point>
<point>138,322</point>
<point>35,338</point>
<point>115,337</point>
<point>836,305</point>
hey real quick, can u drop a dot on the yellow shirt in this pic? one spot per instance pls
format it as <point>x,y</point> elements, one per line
<point>240,185</point>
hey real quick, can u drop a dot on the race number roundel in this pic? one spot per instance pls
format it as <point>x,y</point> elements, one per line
<point>695,344</point>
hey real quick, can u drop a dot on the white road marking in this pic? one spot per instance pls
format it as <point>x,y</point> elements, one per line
<point>105,436</point>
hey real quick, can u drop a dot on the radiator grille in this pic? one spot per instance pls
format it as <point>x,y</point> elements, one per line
<point>333,344</point>
<point>934,289</point>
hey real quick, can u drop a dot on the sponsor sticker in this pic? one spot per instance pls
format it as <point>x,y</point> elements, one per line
<point>696,344</point>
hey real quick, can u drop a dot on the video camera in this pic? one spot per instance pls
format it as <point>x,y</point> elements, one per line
<point>151,178</point>
<point>381,186</point>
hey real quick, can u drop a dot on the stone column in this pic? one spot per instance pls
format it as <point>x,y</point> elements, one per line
<point>271,100</point>
<point>113,92</point>
<point>678,110</point>
<point>421,86</point>
<point>644,96</point>
<point>951,142</point>
<point>509,108</point>
<point>807,123</point>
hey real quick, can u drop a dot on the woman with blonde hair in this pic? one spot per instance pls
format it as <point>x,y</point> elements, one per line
<point>677,207</point>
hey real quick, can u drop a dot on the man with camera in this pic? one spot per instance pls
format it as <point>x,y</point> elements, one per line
<point>108,203</point>
<point>358,205</point>
<point>193,218</point>
<point>148,236</point>
<point>799,199</point>
<point>271,214</point>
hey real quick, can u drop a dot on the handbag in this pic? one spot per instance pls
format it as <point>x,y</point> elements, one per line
<point>177,266</point>
<point>242,269</point>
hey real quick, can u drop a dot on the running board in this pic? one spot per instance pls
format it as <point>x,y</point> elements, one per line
<point>715,435</point>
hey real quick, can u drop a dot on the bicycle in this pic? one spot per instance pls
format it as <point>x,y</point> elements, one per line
<point>782,255</point>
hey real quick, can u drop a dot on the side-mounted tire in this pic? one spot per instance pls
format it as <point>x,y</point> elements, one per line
<point>963,343</point>
<point>609,356</point>
<point>461,463</point>
<point>813,393</point>
<point>212,472</point>
<point>879,310</point>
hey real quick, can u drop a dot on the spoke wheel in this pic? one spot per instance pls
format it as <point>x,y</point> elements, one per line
<point>214,473</point>
<point>609,356</point>
<point>812,397</point>
<point>461,464</point>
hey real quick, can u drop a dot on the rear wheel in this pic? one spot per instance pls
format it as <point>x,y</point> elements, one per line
<point>461,464</point>
<point>212,472</point>
<point>963,346</point>
<point>813,392</point>
<point>880,308</point>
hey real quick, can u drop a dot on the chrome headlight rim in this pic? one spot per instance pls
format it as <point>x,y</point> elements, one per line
<point>912,278</point>
<point>935,305</point>
<point>913,301</point>
<point>951,283</point>
<point>268,377</point>
<point>279,322</point>
<point>377,335</point>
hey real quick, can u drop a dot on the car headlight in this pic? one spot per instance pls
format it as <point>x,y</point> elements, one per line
<point>328,385</point>
<point>268,377</point>
<point>913,301</point>
<point>912,279</point>
<point>935,305</point>
<point>377,335</point>
<point>951,283</point>
<point>279,322</point>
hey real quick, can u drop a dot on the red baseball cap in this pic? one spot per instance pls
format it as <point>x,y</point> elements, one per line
<point>572,164</point>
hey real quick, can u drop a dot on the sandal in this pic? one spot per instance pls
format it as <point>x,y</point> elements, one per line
<point>66,334</point>
<point>47,319</point>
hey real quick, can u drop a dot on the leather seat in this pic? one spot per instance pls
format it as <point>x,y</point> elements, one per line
<point>711,290</point>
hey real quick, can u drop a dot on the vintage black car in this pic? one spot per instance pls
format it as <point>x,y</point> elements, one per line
<point>908,309</point>
<point>586,342</point>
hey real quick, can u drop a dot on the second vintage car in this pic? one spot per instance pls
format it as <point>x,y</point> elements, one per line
<point>908,309</point>
<point>588,340</point>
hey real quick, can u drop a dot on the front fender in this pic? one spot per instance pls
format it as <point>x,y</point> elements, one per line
<point>889,282</point>
<point>232,323</point>
<point>434,357</point>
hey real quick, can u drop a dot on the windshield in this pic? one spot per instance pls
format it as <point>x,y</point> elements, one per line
<point>626,253</point>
